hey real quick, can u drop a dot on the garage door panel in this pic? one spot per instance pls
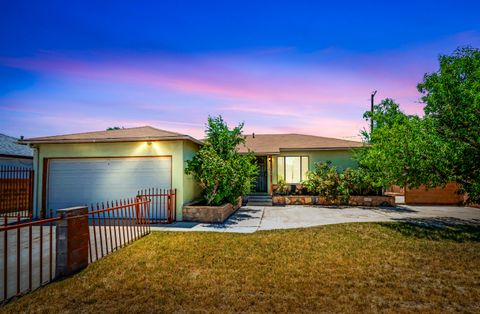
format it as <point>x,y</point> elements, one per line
<point>76,182</point>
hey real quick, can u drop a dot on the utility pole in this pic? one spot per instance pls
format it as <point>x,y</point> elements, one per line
<point>372,97</point>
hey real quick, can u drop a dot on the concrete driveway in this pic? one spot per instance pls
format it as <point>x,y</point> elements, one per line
<point>251,219</point>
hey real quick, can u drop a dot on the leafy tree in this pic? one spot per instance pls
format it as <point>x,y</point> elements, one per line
<point>113,128</point>
<point>357,181</point>
<point>452,101</point>
<point>402,150</point>
<point>441,147</point>
<point>220,170</point>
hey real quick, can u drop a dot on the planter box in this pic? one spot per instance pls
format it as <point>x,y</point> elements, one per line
<point>317,200</point>
<point>209,214</point>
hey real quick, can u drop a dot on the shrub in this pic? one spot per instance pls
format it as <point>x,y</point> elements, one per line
<point>357,181</point>
<point>325,181</point>
<point>282,187</point>
<point>222,173</point>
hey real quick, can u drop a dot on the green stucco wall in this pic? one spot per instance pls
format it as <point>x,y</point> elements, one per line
<point>179,151</point>
<point>340,158</point>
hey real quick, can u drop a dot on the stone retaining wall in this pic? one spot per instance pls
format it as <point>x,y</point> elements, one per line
<point>209,214</point>
<point>317,200</point>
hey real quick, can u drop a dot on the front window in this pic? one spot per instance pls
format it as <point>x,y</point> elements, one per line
<point>292,169</point>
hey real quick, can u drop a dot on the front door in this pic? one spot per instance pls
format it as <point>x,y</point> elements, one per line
<point>260,185</point>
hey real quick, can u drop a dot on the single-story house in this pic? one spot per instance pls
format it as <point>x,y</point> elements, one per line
<point>14,154</point>
<point>290,156</point>
<point>85,168</point>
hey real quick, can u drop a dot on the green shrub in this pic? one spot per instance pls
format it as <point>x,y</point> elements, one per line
<point>327,182</point>
<point>282,187</point>
<point>222,173</point>
<point>357,181</point>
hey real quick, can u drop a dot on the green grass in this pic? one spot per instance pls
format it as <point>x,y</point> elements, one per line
<point>389,267</point>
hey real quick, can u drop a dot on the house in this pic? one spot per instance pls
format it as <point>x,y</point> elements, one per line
<point>290,156</point>
<point>85,168</point>
<point>14,154</point>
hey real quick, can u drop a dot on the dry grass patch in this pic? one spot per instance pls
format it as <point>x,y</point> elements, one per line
<point>349,268</point>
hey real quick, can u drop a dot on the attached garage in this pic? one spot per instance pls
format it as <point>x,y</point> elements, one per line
<point>85,181</point>
<point>85,168</point>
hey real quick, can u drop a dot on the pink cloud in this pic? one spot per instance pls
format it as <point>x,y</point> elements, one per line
<point>272,90</point>
<point>303,86</point>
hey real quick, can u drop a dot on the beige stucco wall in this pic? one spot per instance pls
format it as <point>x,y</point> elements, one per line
<point>185,190</point>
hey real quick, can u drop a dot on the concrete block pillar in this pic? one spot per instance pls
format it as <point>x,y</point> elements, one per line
<point>72,240</point>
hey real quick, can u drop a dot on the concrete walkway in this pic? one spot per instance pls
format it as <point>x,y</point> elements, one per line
<point>252,219</point>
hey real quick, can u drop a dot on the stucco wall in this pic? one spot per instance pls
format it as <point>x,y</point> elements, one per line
<point>123,149</point>
<point>340,158</point>
<point>192,190</point>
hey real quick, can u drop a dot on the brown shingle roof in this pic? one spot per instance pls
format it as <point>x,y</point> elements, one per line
<point>274,143</point>
<point>123,135</point>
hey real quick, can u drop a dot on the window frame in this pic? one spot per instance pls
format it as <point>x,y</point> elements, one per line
<point>284,172</point>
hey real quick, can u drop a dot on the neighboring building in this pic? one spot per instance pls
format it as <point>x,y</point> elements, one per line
<point>14,154</point>
<point>290,156</point>
<point>447,195</point>
<point>85,168</point>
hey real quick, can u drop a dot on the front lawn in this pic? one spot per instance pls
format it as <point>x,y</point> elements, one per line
<point>391,267</point>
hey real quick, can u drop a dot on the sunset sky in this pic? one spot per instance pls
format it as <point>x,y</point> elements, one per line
<point>289,67</point>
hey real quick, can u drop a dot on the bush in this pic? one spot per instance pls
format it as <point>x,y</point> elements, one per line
<point>357,181</point>
<point>282,187</point>
<point>327,182</point>
<point>222,173</point>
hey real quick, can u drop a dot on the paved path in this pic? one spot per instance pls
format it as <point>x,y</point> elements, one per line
<point>251,219</point>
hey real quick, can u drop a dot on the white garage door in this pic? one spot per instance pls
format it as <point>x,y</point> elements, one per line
<point>76,182</point>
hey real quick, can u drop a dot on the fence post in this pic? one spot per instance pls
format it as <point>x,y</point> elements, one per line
<point>72,240</point>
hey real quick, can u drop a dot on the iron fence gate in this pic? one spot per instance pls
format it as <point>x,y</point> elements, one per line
<point>162,205</point>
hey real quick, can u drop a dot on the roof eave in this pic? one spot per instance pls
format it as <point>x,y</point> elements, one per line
<point>16,156</point>
<point>109,140</point>
<point>260,153</point>
<point>317,148</point>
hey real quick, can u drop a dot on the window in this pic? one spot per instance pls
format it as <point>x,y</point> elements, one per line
<point>292,169</point>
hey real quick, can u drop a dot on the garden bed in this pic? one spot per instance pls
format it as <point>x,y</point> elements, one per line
<point>209,214</point>
<point>317,200</point>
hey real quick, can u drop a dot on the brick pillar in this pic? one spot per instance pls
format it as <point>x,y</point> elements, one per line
<point>72,241</point>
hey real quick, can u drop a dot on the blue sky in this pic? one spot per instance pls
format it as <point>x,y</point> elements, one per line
<point>305,67</point>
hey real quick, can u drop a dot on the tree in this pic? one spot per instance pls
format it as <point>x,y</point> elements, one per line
<point>452,101</point>
<point>219,169</point>
<point>441,147</point>
<point>402,150</point>
<point>114,128</point>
